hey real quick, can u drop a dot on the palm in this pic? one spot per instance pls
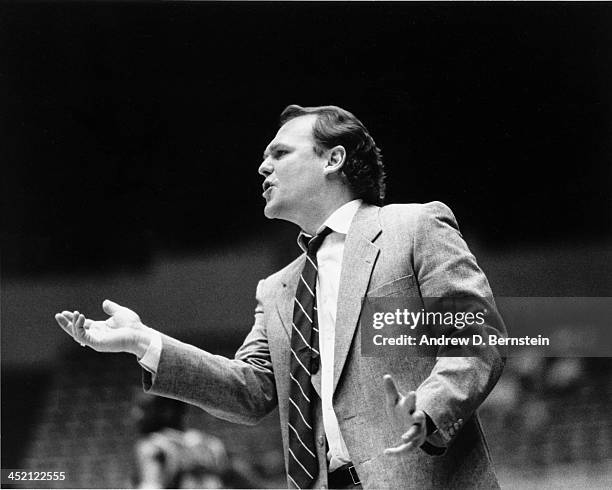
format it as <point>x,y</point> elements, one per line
<point>103,336</point>
<point>116,334</point>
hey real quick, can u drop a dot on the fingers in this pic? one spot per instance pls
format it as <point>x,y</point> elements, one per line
<point>413,433</point>
<point>110,307</point>
<point>75,316</point>
<point>412,439</point>
<point>401,449</point>
<point>415,436</point>
<point>79,330</point>
<point>69,317</point>
<point>74,324</point>
<point>392,394</point>
<point>403,411</point>
<point>63,322</point>
<point>410,402</point>
<point>419,419</point>
<point>77,327</point>
<point>68,314</point>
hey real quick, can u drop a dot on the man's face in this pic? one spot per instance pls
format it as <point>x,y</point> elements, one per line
<point>293,172</point>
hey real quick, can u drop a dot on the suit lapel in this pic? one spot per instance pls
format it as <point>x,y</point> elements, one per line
<point>357,264</point>
<point>284,304</point>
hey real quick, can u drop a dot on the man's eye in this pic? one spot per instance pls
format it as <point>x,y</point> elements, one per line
<point>280,153</point>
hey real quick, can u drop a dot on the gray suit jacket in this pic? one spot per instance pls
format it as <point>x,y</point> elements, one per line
<point>414,250</point>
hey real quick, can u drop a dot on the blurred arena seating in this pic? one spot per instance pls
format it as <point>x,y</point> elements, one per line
<point>547,420</point>
<point>549,425</point>
<point>84,427</point>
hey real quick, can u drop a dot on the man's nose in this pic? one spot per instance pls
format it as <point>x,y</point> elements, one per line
<point>265,168</point>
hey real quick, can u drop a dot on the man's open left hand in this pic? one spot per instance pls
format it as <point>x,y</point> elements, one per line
<point>121,332</point>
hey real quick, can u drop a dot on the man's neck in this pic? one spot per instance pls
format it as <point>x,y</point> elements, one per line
<point>315,220</point>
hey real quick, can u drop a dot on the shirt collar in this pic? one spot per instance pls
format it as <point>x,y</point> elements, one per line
<point>339,221</point>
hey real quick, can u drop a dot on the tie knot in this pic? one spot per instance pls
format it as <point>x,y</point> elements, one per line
<point>315,242</point>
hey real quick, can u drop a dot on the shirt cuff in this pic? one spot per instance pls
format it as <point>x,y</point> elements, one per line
<point>150,360</point>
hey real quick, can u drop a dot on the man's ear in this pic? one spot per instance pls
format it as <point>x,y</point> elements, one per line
<point>335,160</point>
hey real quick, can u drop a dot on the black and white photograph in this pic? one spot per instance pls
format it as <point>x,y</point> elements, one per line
<point>344,245</point>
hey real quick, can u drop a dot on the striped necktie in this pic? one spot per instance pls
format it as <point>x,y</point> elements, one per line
<point>303,466</point>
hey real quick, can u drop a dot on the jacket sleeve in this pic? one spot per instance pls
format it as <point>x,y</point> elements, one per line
<point>240,390</point>
<point>461,379</point>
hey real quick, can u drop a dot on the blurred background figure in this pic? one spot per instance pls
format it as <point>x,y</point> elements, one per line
<point>169,456</point>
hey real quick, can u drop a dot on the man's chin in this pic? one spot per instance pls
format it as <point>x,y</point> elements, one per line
<point>270,212</point>
<point>274,211</point>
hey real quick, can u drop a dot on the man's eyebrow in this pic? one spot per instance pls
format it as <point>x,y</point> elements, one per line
<point>273,148</point>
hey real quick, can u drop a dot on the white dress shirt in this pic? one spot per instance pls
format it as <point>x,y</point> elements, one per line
<point>329,262</point>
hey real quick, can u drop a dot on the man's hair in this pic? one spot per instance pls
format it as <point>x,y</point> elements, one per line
<point>363,166</point>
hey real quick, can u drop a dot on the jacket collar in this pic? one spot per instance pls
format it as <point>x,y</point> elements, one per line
<point>339,222</point>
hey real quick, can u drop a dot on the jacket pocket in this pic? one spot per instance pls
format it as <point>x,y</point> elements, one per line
<point>397,287</point>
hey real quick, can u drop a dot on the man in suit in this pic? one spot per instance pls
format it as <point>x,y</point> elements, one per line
<point>347,420</point>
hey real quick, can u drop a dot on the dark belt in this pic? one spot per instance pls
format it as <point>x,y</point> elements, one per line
<point>343,477</point>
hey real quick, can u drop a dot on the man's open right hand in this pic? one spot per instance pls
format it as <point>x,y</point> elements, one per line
<point>121,332</point>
